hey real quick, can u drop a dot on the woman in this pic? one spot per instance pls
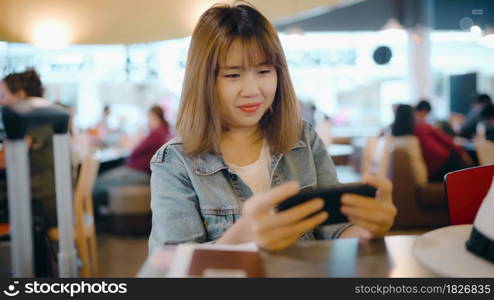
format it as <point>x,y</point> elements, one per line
<point>136,170</point>
<point>243,148</point>
<point>440,153</point>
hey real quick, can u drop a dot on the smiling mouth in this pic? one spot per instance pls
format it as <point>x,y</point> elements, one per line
<point>250,108</point>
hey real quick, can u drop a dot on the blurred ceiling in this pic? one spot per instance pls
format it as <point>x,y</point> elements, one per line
<point>373,14</point>
<point>131,21</point>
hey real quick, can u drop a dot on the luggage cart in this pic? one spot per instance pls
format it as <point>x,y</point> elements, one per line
<point>17,119</point>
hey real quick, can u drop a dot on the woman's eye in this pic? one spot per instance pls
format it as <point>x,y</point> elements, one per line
<point>232,75</point>
<point>266,71</point>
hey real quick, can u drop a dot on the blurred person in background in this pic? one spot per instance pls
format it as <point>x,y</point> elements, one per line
<point>422,110</point>
<point>474,116</point>
<point>27,86</point>
<point>323,129</point>
<point>488,117</point>
<point>440,154</point>
<point>103,135</point>
<point>136,170</point>
<point>308,111</point>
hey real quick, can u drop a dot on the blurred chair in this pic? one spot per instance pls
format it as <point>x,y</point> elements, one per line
<point>130,210</point>
<point>485,151</point>
<point>85,233</point>
<point>375,157</point>
<point>465,191</point>
<point>420,204</point>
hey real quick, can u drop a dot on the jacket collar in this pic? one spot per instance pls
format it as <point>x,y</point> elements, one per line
<point>209,163</point>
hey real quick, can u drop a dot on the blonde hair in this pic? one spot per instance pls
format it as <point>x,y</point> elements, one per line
<point>199,122</point>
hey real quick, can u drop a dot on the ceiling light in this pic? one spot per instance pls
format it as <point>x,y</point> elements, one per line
<point>51,35</point>
<point>392,30</point>
<point>392,24</point>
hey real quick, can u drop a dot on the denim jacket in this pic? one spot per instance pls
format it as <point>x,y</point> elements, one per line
<point>196,199</point>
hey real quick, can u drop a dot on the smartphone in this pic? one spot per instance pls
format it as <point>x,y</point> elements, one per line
<point>332,199</point>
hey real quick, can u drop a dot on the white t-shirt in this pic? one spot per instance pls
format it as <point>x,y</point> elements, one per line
<point>256,174</point>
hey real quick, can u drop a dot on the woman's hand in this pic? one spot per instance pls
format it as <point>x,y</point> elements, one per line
<point>371,217</point>
<point>272,230</point>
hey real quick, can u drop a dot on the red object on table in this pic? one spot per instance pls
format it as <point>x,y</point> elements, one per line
<point>466,189</point>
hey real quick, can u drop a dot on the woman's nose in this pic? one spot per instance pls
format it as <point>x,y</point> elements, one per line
<point>250,86</point>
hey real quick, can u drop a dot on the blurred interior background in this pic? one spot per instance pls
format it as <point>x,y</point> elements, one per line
<point>351,62</point>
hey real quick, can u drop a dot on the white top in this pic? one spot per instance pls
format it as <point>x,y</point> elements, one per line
<point>256,174</point>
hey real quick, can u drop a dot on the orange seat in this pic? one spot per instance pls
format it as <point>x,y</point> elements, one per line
<point>465,190</point>
<point>4,229</point>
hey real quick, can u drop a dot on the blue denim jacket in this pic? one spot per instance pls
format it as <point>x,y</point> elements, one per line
<point>196,199</point>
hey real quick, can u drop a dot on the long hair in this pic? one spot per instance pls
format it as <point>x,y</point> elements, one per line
<point>199,121</point>
<point>27,81</point>
<point>403,123</point>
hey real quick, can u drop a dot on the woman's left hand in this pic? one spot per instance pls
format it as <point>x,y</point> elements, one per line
<point>371,218</point>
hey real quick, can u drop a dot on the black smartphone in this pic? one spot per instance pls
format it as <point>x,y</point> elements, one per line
<point>332,199</point>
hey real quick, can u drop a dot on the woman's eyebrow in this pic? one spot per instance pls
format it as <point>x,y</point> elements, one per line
<point>226,67</point>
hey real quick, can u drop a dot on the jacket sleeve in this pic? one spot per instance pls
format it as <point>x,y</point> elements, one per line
<point>326,177</point>
<point>174,205</point>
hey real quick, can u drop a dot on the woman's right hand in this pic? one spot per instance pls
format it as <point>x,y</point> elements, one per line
<point>272,230</point>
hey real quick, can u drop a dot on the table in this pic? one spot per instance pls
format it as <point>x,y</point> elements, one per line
<point>388,257</point>
<point>340,150</point>
<point>340,153</point>
<point>110,158</point>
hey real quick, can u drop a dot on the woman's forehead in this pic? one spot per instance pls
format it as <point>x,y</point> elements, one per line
<point>244,54</point>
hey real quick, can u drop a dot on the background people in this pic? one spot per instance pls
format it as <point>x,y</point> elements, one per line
<point>136,170</point>
<point>440,153</point>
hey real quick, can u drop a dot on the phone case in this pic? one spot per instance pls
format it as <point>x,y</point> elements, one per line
<point>332,199</point>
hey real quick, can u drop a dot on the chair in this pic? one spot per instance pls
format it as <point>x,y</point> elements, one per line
<point>485,152</point>
<point>420,204</point>
<point>376,156</point>
<point>465,191</point>
<point>85,233</point>
<point>130,209</point>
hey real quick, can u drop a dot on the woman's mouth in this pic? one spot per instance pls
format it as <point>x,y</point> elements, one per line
<point>250,108</point>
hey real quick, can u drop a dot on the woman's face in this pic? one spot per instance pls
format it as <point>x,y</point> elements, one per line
<point>153,121</point>
<point>6,96</point>
<point>245,92</point>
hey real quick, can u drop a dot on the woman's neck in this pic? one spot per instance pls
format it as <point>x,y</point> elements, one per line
<point>242,135</point>
<point>241,146</point>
